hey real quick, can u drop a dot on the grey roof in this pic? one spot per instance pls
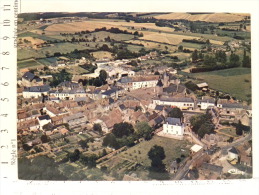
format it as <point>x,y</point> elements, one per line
<point>43,88</point>
<point>80,99</point>
<point>177,100</point>
<point>111,91</point>
<point>233,150</point>
<point>173,121</point>
<point>211,167</point>
<point>122,107</point>
<point>173,88</point>
<point>28,76</point>
<point>125,80</point>
<point>159,119</point>
<point>159,107</point>
<point>232,105</point>
<point>69,84</point>
<point>44,117</point>
<point>111,101</point>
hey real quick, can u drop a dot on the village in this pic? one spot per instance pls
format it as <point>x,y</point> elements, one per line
<point>102,116</point>
<point>54,121</point>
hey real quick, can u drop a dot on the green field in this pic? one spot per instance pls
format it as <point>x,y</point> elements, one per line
<point>35,35</point>
<point>229,131</point>
<point>191,45</point>
<point>172,147</point>
<point>235,81</point>
<point>23,54</point>
<point>27,63</point>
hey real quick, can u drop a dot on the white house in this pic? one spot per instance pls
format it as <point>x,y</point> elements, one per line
<point>182,103</point>
<point>43,120</point>
<point>173,126</point>
<point>35,91</point>
<point>138,82</point>
<point>205,103</point>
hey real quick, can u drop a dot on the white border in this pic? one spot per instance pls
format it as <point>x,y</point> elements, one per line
<point>184,187</point>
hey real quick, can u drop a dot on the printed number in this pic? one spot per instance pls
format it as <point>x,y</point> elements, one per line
<point>5,53</point>
<point>4,147</point>
<point>4,131</point>
<point>4,68</point>
<point>4,115</point>
<point>5,84</point>
<point>4,99</point>
<point>5,38</point>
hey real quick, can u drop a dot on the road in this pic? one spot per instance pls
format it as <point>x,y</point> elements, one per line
<point>182,171</point>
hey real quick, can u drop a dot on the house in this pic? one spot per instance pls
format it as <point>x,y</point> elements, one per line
<point>173,126</point>
<point>203,86</point>
<point>43,120</point>
<point>175,89</point>
<point>32,125</point>
<point>196,148</point>
<point>68,93</point>
<point>228,107</point>
<point>205,103</point>
<point>68,85</point>
<point>75,120</point>
<point>35,91</point>
<point>182,103</point>
<point>114,92</point>
<point>210,171</point>
<point>233,155</point>
<point>131,83</point>
<point>29,79</point>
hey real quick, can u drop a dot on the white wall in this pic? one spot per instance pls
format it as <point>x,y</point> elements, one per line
<point>173,129</point>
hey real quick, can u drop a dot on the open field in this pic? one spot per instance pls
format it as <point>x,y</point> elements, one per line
<point>93,24</point>
<point>172,147</point>
<point>33,40</point>
<point>191,45</point>
<point>28,63</point>
<point>23,54</point>
<point>152,45</point>
<point>102,54</point>
<point>210,17</point>
<point>232,81</point>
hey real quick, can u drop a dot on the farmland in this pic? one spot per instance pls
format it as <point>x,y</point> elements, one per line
<point>211,17</point>
<point>28,63</point>
<point>235,81</point>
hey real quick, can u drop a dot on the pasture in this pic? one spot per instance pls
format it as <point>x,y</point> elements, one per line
<point>235,81</point>
<point>28,63</point>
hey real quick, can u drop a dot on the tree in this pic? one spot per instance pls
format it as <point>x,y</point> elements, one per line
<point>144,130</point>
<point>176,113</point>
<point>73,157</point>
<point>157,73</point>
<point>180,48</point>
<point>97,82</point>
<point>122,129</point>
<point>234,60</point>
<point>246,60</point>
<point>110,140</point>
<point>239,128</point>
<point>157,170</point>
<point>44,138</point>
<point>194,55</point>
<point>83,144</point>
<point>201,124</point>
<point>97,127</point>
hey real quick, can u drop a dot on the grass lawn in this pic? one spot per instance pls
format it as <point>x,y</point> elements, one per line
<point>235,81</point>
<point>229,131</point>
<point>23,54</point>
<point>27,63</point>
<point>172,147</point>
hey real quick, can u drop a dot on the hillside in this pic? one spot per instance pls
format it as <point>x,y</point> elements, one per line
<point>208,17</point>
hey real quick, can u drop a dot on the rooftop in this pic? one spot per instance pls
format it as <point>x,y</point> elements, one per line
<point>173,121</point>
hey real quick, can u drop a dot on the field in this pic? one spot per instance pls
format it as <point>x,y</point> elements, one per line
<point>23,54</point>
<point>152,45</point>
<point>235,81</point>
<point>191,45</point>
<point>28,63</point>
<point>172,149</point>
<point>210,17</point>
<point>93,24</point>
<point>102,54</point>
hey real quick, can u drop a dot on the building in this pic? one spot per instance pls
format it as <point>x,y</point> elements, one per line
<point>29,79</point>
<point>129,83</point>
<point>43,120</point>
<point>35,91</point>
<point>173,126</point>
<point>114,92</point>
<point>182,103</point>
<point>205,103</point>
<point>68,94</point>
